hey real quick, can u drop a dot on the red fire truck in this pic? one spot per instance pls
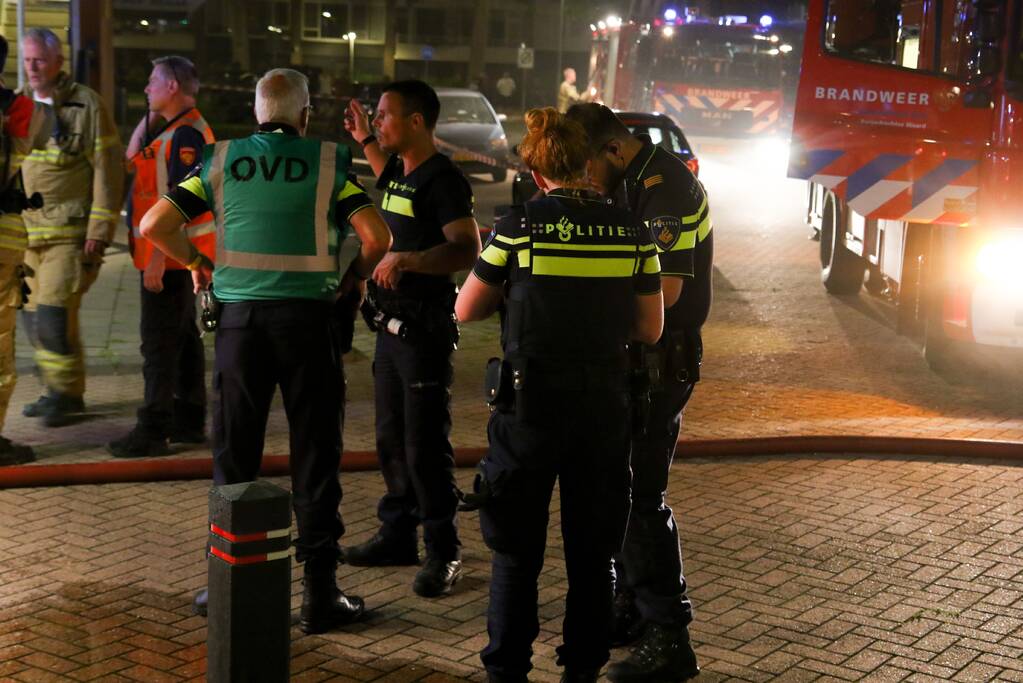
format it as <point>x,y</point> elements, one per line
<point>909,128</point>
<point>709,76</point>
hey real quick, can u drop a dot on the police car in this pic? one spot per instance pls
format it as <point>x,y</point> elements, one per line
<point>659,128</point>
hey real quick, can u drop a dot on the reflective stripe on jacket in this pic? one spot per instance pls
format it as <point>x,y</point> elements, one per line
<point>79,173</point>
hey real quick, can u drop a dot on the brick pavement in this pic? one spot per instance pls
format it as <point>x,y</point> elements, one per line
<point>830,569</point>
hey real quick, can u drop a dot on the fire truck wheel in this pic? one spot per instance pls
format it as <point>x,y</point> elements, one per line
<point>499,175</point>
<point>841,270</point>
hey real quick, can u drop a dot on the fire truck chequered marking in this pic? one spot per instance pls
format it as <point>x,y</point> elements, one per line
<point>895,186</point>
<point>765,108</point>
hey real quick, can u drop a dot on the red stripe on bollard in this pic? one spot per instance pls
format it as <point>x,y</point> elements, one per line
<point>246,538</point>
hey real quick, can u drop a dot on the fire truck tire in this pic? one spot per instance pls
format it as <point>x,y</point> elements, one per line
<point>499,175</point>
<point>841,270</point>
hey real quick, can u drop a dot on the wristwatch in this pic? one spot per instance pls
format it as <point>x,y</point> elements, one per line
<point>369,139</point>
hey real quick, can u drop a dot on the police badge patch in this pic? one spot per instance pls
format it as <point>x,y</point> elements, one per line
<point>186,155</point>
<point>665,231</point>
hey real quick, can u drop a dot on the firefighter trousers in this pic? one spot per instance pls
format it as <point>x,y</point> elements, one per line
<point>10,297</point>
<point>59,278</point>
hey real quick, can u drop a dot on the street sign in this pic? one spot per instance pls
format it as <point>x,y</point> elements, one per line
<point>426,53</point>
<point>525,57</point>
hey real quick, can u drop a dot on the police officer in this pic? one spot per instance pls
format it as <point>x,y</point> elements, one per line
<point>661,191</point>
<point>173,358</point>
<point>428,205</point>
<point>25,125</point>
<point>578,280</point>
<point>279,201</point>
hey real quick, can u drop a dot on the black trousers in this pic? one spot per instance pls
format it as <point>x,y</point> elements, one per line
<point>585,448</point>
<point>173,359</point>
<point>413,423</point>
<point>650,564</point>
<point>263,345</point>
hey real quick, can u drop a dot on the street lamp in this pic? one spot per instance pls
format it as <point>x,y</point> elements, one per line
<point>350,37</point>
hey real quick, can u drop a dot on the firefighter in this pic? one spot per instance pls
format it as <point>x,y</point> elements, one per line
<point>661,191</point>
<point>578,279</point>
<point>280,203</point>
<point>173,359</point>
<point>80,176</point>
<point>428,205</point>
<point>26,125</point>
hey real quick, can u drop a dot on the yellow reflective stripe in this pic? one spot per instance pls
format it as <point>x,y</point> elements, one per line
<point>705,228</point>
<point>524,258</point>
<point>194,185</point>
<point>104,142</point>
<point>651,265</point>
<point>583,267</point>
<point>349,190</point>
<point>510,240</point>
<point>495,256</point>
<point>687,240</point>
<point>692,218</point>
<point>56,228</point>
<point>399,205</point>
<point>100,212</point>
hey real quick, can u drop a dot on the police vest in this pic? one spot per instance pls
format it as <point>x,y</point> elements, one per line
<point>273,197</point>
<point>151,184</point>
<point>577,303</point>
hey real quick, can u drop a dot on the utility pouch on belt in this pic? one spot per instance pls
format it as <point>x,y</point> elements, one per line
<point>684,353</point>
<point>498,385</point>
<point>209,319</point>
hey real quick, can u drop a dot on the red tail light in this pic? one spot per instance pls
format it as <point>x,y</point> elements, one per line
<point>694,166</point>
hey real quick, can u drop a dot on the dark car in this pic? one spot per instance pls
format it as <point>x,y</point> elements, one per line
<point>470,132</point>
<point>661,130</point>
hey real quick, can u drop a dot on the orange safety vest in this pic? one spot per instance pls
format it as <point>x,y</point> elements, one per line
<point>151,184</point>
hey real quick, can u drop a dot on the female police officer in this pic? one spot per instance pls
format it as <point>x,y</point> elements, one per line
<point>578,280</point>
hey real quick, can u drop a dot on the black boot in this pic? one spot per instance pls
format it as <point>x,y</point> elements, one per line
<point>324,606</point>
<point>663,654</point>
<point>14,454</point>
<point>437,577</point>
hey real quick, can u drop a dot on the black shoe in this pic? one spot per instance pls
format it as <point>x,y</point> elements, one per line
<point>663,654</point>
<point>186,435</point>
<point>574,675</point>
<point>380,552</point>
<point>36,407</point>
<point>201,602</point>
<point>60,410</point>
<point>138,443</point>
<point>626,622</point>
<point>14,454</point>
<point>324,605</point>
<point>437,577</point>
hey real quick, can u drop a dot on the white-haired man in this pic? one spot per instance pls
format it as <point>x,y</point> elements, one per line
<point>280,202</point>
<point>80,175</point>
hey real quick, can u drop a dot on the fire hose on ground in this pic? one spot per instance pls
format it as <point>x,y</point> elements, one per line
<point>170,468</point>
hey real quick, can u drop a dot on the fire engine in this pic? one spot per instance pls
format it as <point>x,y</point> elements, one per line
<point>909,128</point>
<point>722,75</point>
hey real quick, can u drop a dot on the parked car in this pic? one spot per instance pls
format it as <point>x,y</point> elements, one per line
<point>471,133</point>
<point>661,130</point>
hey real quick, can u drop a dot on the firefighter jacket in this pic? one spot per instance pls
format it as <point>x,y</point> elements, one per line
<point>25,125</point>
<point>152,181</point>
<point>79,173</point>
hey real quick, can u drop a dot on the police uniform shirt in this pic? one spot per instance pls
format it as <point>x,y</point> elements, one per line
<point>416,208</point>
<point>190,198</point>
<point>668,198</point>
<point>570,248</point>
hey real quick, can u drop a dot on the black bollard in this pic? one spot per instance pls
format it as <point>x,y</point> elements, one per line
<point>249,613</point>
